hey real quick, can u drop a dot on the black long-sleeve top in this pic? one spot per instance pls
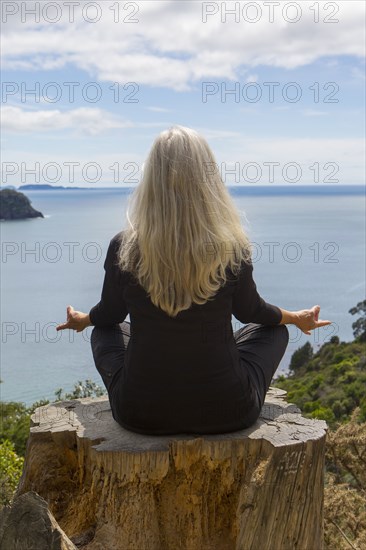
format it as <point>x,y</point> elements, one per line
<point>182,374</point>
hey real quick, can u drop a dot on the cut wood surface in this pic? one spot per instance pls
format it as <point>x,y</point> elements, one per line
<point>111,489</point>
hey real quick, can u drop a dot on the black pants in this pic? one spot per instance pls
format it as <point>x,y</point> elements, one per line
<point>260,347</point>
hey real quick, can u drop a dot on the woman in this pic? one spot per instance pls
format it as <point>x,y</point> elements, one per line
<point>181,270</point>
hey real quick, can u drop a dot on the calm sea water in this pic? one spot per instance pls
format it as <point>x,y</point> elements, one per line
<point>308,249</point>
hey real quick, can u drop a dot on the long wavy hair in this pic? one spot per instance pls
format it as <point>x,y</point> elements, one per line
<point>184,229</point>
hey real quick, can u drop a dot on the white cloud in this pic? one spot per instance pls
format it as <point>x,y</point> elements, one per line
<point>341,159</point>
<point>211,133</point>
<point>329,159</point>
<point>91,121</point>
<point>171,47</point>
<point>314,112</point>
<point>251,110</point>
<point>61,173</point>
<point>252,78</point>
<point>332,63</point>
<point>158,109</point>
<point>357,73</point>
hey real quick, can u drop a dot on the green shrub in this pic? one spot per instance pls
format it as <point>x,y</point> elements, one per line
<point>323,413</point>
<point>359,326</point>
<point>15,423</point>
<point>316,382</point>
<point>300,357</point>
<point>11,466</point>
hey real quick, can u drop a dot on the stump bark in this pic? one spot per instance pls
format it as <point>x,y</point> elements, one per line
<point>110,489</point>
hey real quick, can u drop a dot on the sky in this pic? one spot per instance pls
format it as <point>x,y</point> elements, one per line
<point>276,88</point>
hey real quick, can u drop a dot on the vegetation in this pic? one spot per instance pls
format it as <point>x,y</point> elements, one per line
<point>359,326</point>
<point>330,385</point>
<point>345,486</point>
<point>11,466</point>
<point>14,430</point>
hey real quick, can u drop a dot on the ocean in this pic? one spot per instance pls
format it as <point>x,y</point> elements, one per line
<point>308,249</point>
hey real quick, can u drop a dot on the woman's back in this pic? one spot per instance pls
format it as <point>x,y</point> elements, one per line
<point>180,373</point>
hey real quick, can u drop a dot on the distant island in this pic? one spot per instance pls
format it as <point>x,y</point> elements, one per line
<point>16,206</point>
<point>46,187</point>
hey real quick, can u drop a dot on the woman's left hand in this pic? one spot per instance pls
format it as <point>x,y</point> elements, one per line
<point>76,320</point>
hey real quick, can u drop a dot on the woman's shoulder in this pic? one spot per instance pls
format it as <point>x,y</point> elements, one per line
<point>113,255</point>
<point>241,269</point>
<point>113,248</point>
<point>118,237</point>
<point>116,242</point>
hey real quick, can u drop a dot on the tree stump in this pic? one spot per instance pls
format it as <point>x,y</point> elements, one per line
<point>111,489</point>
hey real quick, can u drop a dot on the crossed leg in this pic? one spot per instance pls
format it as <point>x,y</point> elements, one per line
<point>261,348</point>
<point>109,346</point>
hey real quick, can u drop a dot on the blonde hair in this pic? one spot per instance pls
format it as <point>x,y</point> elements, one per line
<point>185,229</point>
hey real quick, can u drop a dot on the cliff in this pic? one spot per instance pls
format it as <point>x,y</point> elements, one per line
<point>16,206</point>
<point>111,489</point>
